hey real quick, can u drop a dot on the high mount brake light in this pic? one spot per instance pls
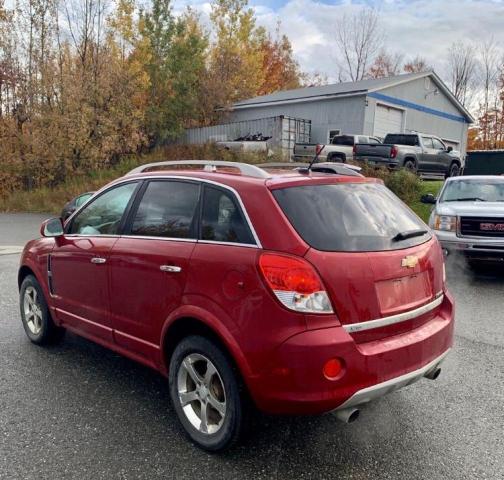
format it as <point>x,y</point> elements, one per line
<point>295,283</point>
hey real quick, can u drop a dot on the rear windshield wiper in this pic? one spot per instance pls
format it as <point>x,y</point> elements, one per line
<point>409,234</point>
<point>466,199</point>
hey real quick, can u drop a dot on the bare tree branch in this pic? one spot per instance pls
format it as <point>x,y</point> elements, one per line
<point>462,65</point>
<point>359,39</point>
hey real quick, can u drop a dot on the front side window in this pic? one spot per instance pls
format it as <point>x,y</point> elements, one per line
<point>437,144</point>
<point>82,199</point>
<point>103,215</point>
<point>350,217</point>
<point>168,209</point>
<point>222,219</point>
<point>427,142</point>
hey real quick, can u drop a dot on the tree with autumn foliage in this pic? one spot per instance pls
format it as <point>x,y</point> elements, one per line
<point>280,70</point>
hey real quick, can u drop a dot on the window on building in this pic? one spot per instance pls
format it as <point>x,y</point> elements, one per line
<point>332,134</point>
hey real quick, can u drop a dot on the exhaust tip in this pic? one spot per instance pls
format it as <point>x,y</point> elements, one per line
<point>353,416</point>
<point>347,415</point>
<point>433,374</point>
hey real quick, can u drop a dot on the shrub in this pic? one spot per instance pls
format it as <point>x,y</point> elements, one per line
<point>406,185</point>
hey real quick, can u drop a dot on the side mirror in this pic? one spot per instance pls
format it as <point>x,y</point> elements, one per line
<point>52,227</point>
<point>428,198</point>
<point>449,149</point>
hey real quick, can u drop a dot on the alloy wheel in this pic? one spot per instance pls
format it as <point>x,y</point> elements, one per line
<point>32,310</point>
<point>201,393</point>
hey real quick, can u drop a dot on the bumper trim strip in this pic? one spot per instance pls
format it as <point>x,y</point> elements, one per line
<point>400,317</point>
<point>380,389</point>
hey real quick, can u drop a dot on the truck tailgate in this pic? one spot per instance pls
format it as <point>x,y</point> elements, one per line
<point>370,150</point>
<point>305,149</point>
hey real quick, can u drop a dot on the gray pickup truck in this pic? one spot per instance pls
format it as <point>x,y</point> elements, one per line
<point>417,152</point>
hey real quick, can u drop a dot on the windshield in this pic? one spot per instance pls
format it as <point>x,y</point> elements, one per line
<point>351,217</point>
<point>474,190</point>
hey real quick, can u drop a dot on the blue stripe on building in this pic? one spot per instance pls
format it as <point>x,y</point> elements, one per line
<point>416,106</point>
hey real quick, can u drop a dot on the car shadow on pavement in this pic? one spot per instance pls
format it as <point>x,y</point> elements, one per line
<point>119,414</point>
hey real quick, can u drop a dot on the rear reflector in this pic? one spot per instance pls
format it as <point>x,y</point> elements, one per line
<point>332,368</point>
<point>295,283</point>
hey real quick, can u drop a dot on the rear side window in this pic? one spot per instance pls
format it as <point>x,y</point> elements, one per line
<point>222,219</point>
<point>349,217</point>
<point>167,209</point>
<point>411,140</point>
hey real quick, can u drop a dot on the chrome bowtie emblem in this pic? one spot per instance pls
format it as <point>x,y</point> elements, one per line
<point>409,262</point>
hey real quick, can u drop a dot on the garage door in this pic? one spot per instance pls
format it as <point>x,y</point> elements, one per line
<point>387,120</point>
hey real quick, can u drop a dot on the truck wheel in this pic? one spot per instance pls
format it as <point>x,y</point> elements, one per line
<point>337,157</point>
<point>35,315</point>
<point>454,170</point>
<point>206,394</point>
<point>410,166</point>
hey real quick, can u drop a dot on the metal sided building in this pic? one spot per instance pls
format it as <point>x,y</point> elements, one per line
<point>418,102</point>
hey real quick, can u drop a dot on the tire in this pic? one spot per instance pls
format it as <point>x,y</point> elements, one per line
<point>453,171</point>
<point>220,395</point>
<point>340,158</point>
<point>410,165</point>
<point>37,322</point>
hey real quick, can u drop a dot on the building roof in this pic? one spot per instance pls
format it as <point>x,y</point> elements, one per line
<point>346,89</point>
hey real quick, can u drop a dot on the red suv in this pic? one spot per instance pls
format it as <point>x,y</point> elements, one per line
<point>297,292</point>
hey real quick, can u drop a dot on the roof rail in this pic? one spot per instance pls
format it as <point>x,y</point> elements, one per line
<point>209,166</point>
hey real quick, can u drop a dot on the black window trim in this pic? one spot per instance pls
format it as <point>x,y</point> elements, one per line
<point>142,181</point>
<point>240,208</point>
<point>128,224</point>
<point>69,222</point>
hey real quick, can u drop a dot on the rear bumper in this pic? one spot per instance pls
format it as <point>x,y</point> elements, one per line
<point>379,390</point>
<point>295,383</point>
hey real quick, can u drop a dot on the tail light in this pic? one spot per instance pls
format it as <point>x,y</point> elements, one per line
<point>318,149</point>
<point>393,152</point>
<point>295,283</point>
<point>354,149</point>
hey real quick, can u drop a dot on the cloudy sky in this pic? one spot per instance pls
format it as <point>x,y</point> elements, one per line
<point>424,27</point>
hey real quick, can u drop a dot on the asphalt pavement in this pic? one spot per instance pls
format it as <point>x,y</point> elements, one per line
<point>79,411</point>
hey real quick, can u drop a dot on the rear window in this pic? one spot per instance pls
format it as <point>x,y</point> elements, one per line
<point>350,217</point>
<point>411,140</point>
<point>347,140</point>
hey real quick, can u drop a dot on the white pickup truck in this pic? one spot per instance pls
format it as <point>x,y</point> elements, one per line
<point>339,150</point>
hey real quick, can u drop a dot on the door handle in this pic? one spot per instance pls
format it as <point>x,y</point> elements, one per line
<point>170,268</point>
<point>98,260</point>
